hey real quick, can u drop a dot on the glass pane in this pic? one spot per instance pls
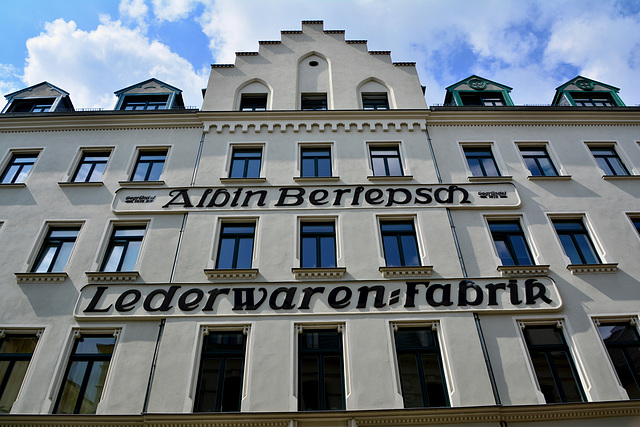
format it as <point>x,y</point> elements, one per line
<point>308,167</point>
<point>566,377</point>
<point>9,174</point>
<point>97,172</point>
<point>543,336</point>
<point>129,232</point>
<point>521,250</point>
<point>140,172</point>
<point>547,167</point>
<point>391,251</point>
<point>309,387</point>
<point>232,385</point>
<point>570,249</point>
<point>71,388</point>
<point>237,229</point>
<point>156,171</point>
<point>83,171</point>
<point>131,256</point>
<point>410,381</point>
<point>245,252</point>
<point>395,169</point>
<point>568,225</point>
<point>46,259</point>
<point>95,384</point>
<point>532,166</point>
<point>396,226</point>
<point>617,166</point>
<point>474,166</point>
<point>237,168</point>
<point>113,258</point>
<point>63,233</point>
<point>209,379</point>
<point>386,152</point>
<point>63,256</point>
<point>225,254</point>
<point>333,382</point>
<point>309,256</point>
<point>626,366</point>
<point>503,252</point>
<point>320,340</point>
<point>378,166</point>
<point>327,252</point>
<point>490,167</point>
<point>433,380</point>
<point>95,345</point>
<point>415,339</point>
<point>18,344</point>
<point>615,333</point>
<point>317,228</point>
<point>324,167</point>
<point>545,377</point>
<point>22,176</point>
<point>14,382</point>
<point>409,250</point>
<point>586,249</point>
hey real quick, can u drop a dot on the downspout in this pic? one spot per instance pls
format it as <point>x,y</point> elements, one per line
<point>476,317</point>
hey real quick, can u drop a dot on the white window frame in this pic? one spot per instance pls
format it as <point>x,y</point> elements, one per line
<point>553,155</point>
<point>399,144</point>
<point>231,146</point>
<point>500,164</point>
<point>317,144</point>
<point>75,163</point>
<point>17,151</point>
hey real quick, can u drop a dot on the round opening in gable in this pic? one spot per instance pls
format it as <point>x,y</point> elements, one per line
<point>313,63</point>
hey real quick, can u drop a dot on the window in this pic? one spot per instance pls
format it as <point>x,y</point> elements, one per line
<point>15,355</point>
<point>510,243</point>
<point>485,99</point>
<point>552,363</point>
<point>315,161</point>
<point>320,370</point>
<point>592,100</point>
<point>149,166</point>
<point>221,372</point>
<point>421,370</point>
<point>375,101</point>
<point>623,345</point>
<point>56,250</point>
<point>253,102</point>
<point>481,161</point>
<point>609,161</point>
<point>538,161</point>
<point>318,245</point>
<point>314,101</point>
<point>236,246</point>
<point>636,223</point>
<point>246,163</point>
<point>576,241</point>
<point>146,102</point>
<point>399,243</point>
<point>385,161</point>
<point>124,248</point>
<point>91,166</point>
<point>85,375</point>
<point>18,168</point>
<point>31,105</point>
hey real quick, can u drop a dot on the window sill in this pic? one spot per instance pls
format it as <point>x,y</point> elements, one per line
<point>376,178</point>
<point>14,185</point>
<point>592,268</point>
<point>80,184</point>
<point>242,180</point>
<point>489,178</point>
<point>549,178</point>
<point>231,273</point>
<point>620,177</point>
<point>318,273</point>
<point>115,276</point>
<point>41,277</point>
<point>407,271</point>
<point>141,183</point>
<point>523,270</point>
<point>316,178</point>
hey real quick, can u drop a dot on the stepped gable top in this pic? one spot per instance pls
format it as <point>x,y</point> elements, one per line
<point>477,91</point>
<point>27,99</point>
<point>582,91</point>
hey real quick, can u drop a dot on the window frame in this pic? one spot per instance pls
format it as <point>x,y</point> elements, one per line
<point>45,238</point>
<point>79,162</point>
<point>219,238</point>
<point>588,232</point>
<point>610,171</point>
<point>401,159</point>
<point>108,247</point>
<point>522,231</point>
<point>373,96</point>
<point>399,220</point>
<point>318,241</point>
<point>8,162</point>
<point>489,146</point>
<point>17,357</point>
<point>146,99</point>
<point>314,100</point>
<point>153,151</point>
<point>548,155</point>
<point>254,95</point>
<point>302,147</point>
<point>245,147</point>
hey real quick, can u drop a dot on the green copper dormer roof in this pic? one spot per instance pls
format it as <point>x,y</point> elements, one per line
<point>584,92</point>
<point>151,94</point>
<point>477,91</point>
<point>39,98</point>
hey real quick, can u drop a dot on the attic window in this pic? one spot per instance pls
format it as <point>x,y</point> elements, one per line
<point>314,101</point>
<point>31,105</point>
<point>484,99</point>
<point>375,101</point>
<point>145,102</point>
<point>253,102</point>
<point>592,99</point>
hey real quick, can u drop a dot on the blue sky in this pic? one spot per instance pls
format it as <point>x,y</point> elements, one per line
<point>92,48</point>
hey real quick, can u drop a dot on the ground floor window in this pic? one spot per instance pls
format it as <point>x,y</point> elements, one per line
<point>15,355</point>
<point>623,345</point>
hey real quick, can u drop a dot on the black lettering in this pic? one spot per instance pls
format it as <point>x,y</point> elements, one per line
<point>249,193</point>
<point>493,290</point>
<point>91,308</point>
<point>463,288</point>
<point>339,192</point>
<point>318,200</point>
<point>247,302</point>
<point>356,196</point>
<point>439,199</point>
<point>412,291</point>
<point>334,302</point>
<point>423,192</point>
<point>204,197</point>
<point>284,194</point>
<point>287,304</point>
<point>307,293</point>
<point>465,194</point>
<point>529,286</point>
<point>446,295</point>
<point>513,292</point>
<point>364,293</point>
<point>183,195</point>
<point>214,198</point>
<point>185,305</point>
<point>392,196</point>
<point>236,197</point>
<point>373,196</point>
<point>123,306</point>
<point>213,294</point>
<point>166,296</point>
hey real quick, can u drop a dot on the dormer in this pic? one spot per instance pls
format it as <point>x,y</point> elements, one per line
<point>41,98</point>
<point>583,92</point>
<point>475,91</point>
<point>150,94</point>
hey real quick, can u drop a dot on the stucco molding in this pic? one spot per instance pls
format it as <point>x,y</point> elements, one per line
<point>593,268</point>
<point>41,277</point>
<point>523,270</point>
<point>318,273</point>
<point>233,273</point>
<point>111,277</point>
<point>414,271</point>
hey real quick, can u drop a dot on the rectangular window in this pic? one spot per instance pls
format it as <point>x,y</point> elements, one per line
<point>385,161</point>
<point>636,223</point>
<point>15,355</point>
<point>486,99</point>
<point>553,364</point>
<point>318,245</point>
<point>399,243</point>
<point>18,168</point>
<point>124,248</point>
<point>510,243</point>
<point>246,163</point>
<point>320,370</point>
<point>146,102</point>
<point>609,161</point>
<point>421,370</point>
<point>236,245</point>
<point>315,162</point>
<point>31,105</point>
<point>149,165</point>
<point>592,100</point>
<point>56,250</point>
<point>313,101</point>
<point>481,161</point>
<point>375,101</point>
<point>623,345</point>
<point>576,241</point>
<point>221,372</point>
<point>253,102</point>
<point>538,161</point>
<point>91,166</point>
<point>85,375</point>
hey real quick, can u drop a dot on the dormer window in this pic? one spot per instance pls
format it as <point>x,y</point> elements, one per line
<point>41,98</point>
<point>375,101</point>
<point>484,99</point>
<point>475,91</point>
<point>150,95</point>
<point>583,92</point>
<point>253,102</point>
<point>145,102</point>
<point>31,106</point>
<point>314,101</point>
<point>592,99</point>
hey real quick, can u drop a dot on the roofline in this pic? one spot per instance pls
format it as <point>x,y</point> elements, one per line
<point>12,94</point>
<point>173,88</point>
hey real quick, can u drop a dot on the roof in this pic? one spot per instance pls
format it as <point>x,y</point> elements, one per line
<point>153,79</point>
<point>30,88</point>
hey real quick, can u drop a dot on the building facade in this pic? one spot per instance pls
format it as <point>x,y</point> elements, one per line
<point>317,247</point>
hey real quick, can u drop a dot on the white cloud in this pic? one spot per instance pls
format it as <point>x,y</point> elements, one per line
<point>91,65</point>
<point>172,10</point>
<point>9,80</point>
<point>136,9</point>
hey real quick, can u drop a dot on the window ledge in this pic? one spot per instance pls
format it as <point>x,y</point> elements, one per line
<point>115,276</point>
<point>14,185</point>
<point>523,270</point>
<point>419,270</point>
<point>549,178</point>
<point>376,178</point>
<point>141,183</point>
<point>593,268</point>
<point>489,178</point>
<point>231,273</point>
<point>620,177</point>
<point>316,178</point>
<point>319,273</point>
<point>41,277</point>
<point>242,180</point>
<point>80,184</point>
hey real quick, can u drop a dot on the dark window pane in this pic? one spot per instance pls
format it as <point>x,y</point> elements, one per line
<point>149,166</point>
<point>18,168</point>
<point>623,345</point>
<point>124,248</point>
<point>481,161</point>
<point>246,163</point>
<point>400,244</point>
<point>385,161</point>
<point>321,376</point>
<point>236,246</point>
<point>576,242</point>
<point>318,245</point>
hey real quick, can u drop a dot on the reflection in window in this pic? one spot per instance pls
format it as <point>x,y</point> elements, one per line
<point>576,241</point>
<point>236,246</point>
<point>221,372</point>
<point>481,161</point>
<point>145,102</point>
<point>85,375</point>
<point>318,246</point>
<point>91,166</point>
<point>315,162</point>
<point>18,168</point>
<point>510,243</point>
<point>149,166</point>
<point>56,250</point>
<point>538,161</point>
<point>399,243</point>
<point>385,161</point>
<point>609,161</point>
<point>623,345</point>
<point>124,248</point>
<point>246,163</point>
<point>15,355</point>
